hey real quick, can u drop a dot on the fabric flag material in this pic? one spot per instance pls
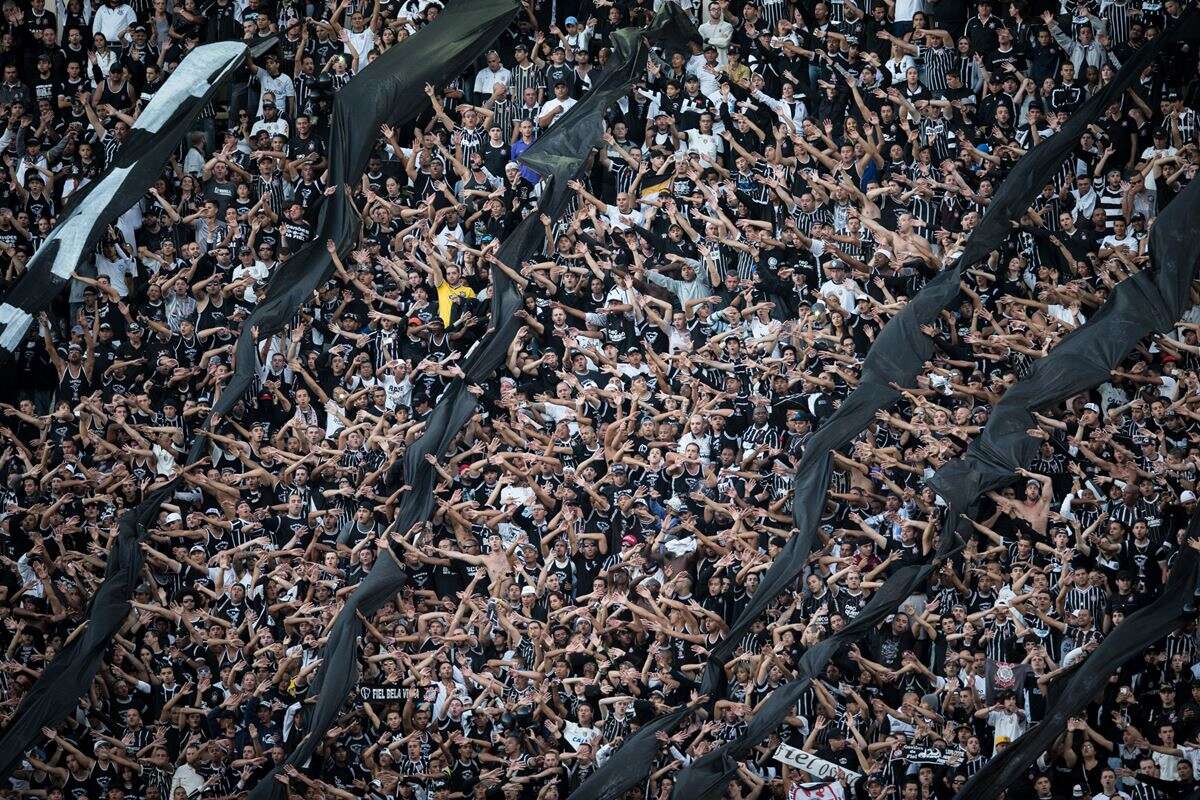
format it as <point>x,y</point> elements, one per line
<point>69,676</point>
<point>901,349</point>
<point>152,139</point>
<point>708,775</point>
<point>1000,676</point>
<point>394,90</point>
<point>1127,640</point>
<point>896,357</point>
<point>1147,302</point>
<point>817,767</point>
<point>391,89</point>
<point>559,157</point>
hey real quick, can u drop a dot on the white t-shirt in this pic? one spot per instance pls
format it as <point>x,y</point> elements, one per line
<point>554,103</point>
<point>817,791</point>
<point>111,21</point>
<point>486,80</point>
<point>276,127</point>
<point>706,144</point>
<point>847,292</point>
<point>906,8</point>
<point>622,220</point>
<point>1065,314</point>
<point>897,68</point>
<point>280,85</point>
<point>1006,724</point>
<point>116,271</point>
<point>576,735</point>
<point>1128,241</point>
<point>362,43</point>
<point>558,413</point>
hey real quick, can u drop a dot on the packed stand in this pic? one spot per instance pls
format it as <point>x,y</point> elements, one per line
<point>757,210</point>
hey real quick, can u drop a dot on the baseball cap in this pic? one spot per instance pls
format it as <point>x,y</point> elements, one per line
<point>1187,496</point>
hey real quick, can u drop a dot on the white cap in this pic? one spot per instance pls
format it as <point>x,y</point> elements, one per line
<point>528,590</point>
<point>1187,496</point>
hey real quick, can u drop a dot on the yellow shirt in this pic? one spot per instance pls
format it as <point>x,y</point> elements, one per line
<point>445,294</point>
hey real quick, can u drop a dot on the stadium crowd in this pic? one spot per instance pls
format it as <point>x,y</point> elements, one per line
<point>757,210</point>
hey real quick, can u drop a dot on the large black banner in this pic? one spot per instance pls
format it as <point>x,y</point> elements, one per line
<point>896,357</point>
<point>391,88</point>
<point>1149,301</point>
<point>156,133</point>
<point>901,349</point>
<point>558,156</point>
<point>1141,629</point>
<point>1152,300</point>
<point>67,678</point>
<point>152,138</point>
<point>708,775</point>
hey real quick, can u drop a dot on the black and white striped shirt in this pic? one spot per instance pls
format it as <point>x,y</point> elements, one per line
<point>806,220</point>
<point>273,187</point>
<point>1188,124</point>
<point>1110,200</point>
<point>936,63</point>
<point>1116,20</point>
<point>1093,598</point>
<point>926,211</point>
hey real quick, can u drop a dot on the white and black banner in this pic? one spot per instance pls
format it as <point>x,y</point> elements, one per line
<point>817,767</point>
<point>155,134</point>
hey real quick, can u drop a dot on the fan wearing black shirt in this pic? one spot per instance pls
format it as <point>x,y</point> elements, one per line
<point>286,529</point>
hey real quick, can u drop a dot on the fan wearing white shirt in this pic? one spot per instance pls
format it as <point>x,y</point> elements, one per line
<point>703,140</point>
<point>113,263</point>
<point>112,18</point>
<point>623,215</point>
<point>716,30</point>
<point>556,106</point>
<point>1121,237</point>
<point>846,290</point>
<point>361,36</point>
<point>494,73</point>
<point>1007,720</point>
